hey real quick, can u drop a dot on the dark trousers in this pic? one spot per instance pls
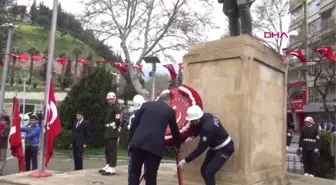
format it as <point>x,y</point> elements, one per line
<point>31,157</point>
<point>213,161</point>
<point>130,166</point>
<point>309,160</point>
<point>77,152</point>
<point>111,150</point>
<point>152,161</point>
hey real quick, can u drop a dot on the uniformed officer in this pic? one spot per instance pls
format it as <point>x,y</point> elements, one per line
<point>138,100</point>
<point>112,127</point>
<point>309,144</point>
<point>212,135</point>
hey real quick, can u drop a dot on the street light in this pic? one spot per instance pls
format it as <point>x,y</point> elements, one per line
<point>153,61</point>
<point>10,28</point>
<point>24,75</point>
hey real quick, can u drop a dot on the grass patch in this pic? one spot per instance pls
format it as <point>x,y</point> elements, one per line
<point>28,36</point>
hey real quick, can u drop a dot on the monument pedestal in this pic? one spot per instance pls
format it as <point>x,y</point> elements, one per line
<point>242,82</point>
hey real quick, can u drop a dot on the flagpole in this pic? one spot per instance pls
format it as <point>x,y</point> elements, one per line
<point>41,168</point>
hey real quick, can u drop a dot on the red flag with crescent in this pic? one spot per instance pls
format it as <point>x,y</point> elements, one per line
<point>172,71</point>
<point>121,67</point>
<point>298,53</point>
<point>82,60</point>
<point>62,61</point>
<point>37,57</point>
<point>326,52</point>
<point>53,126</point>
<point>15,141</point>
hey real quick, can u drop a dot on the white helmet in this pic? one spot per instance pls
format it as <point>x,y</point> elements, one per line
<point>138,100</point>
<point>111,95</point>
<point>194,112</point>
<point>309,119</point>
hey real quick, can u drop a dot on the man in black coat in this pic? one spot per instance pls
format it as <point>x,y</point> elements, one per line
<point>147,136</point>
<point>80,139</point>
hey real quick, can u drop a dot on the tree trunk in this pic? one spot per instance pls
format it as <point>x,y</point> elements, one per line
<point>331,115</point>
<point>13,72</point>
<point>30,71</point>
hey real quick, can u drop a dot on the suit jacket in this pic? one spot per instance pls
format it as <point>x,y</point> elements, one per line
<point>149,125</point>
<point>81,134</point>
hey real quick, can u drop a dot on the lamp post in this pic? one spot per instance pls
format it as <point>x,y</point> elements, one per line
<point>153,61</point>
<point>10,27</point>
<point>24,75</point>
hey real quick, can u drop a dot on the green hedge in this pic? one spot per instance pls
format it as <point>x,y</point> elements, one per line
<point>326,161</point>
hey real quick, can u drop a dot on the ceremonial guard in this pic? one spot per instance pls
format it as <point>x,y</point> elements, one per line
<point>309,144</point>
<point>112,127</point>
<point>213,136</point>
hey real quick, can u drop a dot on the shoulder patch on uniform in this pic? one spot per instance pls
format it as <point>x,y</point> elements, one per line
<point>204,138</point>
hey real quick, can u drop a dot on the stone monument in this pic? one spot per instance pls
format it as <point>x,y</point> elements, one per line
<point>244,83</point>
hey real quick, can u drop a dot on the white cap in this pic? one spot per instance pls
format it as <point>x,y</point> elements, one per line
<point>111,95</point>
<point>194,112</point>
<point>138,100</point>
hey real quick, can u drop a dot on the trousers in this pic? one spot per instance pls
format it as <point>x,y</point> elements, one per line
<point>130,166</point>
<point>3,159</point>
<point>111,150</point>
<point>152,161</point>
<point>213,162</point>
<point>77,152</point>
<point>31,157</point>
<point>309,161</point>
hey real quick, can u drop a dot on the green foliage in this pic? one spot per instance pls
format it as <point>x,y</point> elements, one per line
<point>326,164</point>
<point>326,138</point>
<point>89,96</point>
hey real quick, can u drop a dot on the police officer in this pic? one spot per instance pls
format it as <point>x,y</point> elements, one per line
<point>138,100</point>
<point>212,135</point>
<point>309,144</point>
<point>112,127</point>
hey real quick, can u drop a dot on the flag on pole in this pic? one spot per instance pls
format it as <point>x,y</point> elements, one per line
<point>15,141</point>
<point>53,126</point>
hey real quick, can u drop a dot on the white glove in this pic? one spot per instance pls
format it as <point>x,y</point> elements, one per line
<point>119,129</point>
<point>316,150</point>
<point>287,148</point>
<point>301,149</point>
<point>114,125</point>
<point>181,163</point>
<point>288,134</point>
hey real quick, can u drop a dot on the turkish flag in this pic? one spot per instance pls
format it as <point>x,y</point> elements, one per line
<point>326,52</point>
<point>37,57</point>
<point>1,63</point>
<point>24,57</point>
<point>53,126</point>
<point>298,53</point>
<point>172,71</point>
<point>121,67</point>
<point>15,141</point>
<point>82,60</point>
<point>62,61</point>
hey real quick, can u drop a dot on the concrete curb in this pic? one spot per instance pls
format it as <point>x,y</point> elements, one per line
<point>101,157</point>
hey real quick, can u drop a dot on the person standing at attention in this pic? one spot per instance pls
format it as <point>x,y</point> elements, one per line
<point>80,139</point>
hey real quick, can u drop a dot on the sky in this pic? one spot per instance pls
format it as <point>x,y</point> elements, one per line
<point>75,7</point>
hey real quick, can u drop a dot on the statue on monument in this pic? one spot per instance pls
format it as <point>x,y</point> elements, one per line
<point>238,12</point>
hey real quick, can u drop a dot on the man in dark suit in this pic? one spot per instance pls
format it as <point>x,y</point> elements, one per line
<point>146,138</point>
<point>80,139</point>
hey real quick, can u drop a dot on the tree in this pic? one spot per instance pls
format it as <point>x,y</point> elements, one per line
<point>61,78</point>
<point>270,17</point>
<point>150,27</point>
<point>13,69</point>
<point>68,78</point>
<point>162,82</point>
<point>33,12</point>
<point>32,51</point>
<point>88,96</point>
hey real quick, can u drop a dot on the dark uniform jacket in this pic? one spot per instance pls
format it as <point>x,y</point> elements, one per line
<point>309,138</point>
<point>149,125</point>
<point>212,134</point>
<point>110,132</point>
<point>81,134</point>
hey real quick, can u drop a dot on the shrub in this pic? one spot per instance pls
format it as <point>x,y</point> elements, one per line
<point>325,162</point>
<point>35,85</point>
